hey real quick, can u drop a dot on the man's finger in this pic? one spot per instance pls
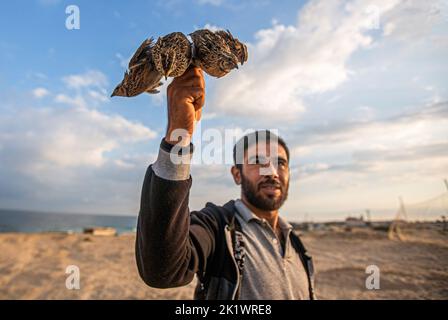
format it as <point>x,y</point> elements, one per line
<point>186,92</point>
<point>198,95</point>
<point>198,114</point>
<point>199,73</point>
<point>195,96</point>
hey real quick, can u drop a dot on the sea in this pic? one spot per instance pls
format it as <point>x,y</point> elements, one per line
<point>30,222</point>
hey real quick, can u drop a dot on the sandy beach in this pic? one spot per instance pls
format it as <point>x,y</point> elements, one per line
<point>32,266</point>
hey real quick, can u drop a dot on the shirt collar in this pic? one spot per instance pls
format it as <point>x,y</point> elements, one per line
<point>244,212</point>
<point>247,215</point>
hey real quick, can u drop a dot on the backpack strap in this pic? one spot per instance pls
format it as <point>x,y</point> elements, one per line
<point>239,250</point>
<point>228,216</point>
<point>307,261</point>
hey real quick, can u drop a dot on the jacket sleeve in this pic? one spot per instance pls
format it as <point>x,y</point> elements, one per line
<point>172,244</point>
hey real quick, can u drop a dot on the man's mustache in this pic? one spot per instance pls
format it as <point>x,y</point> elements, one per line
<point>270,183</point>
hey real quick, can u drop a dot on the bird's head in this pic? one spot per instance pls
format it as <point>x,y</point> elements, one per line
<point>168,62</point>
<point>238,48</point>
<point>121,89</point>
<point>228,62</point>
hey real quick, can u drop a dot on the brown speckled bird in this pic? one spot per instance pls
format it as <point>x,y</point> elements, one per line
<point>142,75</point>
<point>172,54</point>
<point>212,54</point>
<point>238,48</point>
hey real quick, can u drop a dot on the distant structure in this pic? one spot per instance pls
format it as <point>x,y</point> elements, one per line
<point>400,219</point>
<point>352,222</point>
<point>428,210</point>
<point>368,217</point>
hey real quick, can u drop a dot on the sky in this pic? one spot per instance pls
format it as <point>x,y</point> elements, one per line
<point>357,89</point>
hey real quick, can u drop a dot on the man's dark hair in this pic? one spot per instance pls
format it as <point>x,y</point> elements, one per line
<point>253,138</point>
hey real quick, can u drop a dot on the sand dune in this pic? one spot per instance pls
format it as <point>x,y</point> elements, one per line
<point>32,266</point>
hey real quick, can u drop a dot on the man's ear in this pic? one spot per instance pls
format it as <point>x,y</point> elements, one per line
<point>236,174</point>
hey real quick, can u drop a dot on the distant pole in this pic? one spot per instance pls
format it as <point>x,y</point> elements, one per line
<point>368,215</point>
<point>444,218</point>
<point>403,209</point>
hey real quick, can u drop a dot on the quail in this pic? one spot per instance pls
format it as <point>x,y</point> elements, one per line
<point>217,53</point>
<point>212,54</point>
<point>238,48</point>
<point>172,54</point>
<point>142,75</point>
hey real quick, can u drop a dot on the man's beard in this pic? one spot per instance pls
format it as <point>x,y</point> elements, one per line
<point>253,195</point>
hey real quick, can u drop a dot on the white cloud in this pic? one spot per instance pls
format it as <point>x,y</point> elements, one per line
<point>40,93</point>
<point>78,101</point>
<point>357,164</point>
<point>68,137</point>
<point>99,95</point>
<point>425,125</point>
<point>212,27</point>
<point>80,135</point>
<point>52,157</point>
<point>290,63</point>
<point>401,21</point>
<point>92,78</point>
<point>89,90</point>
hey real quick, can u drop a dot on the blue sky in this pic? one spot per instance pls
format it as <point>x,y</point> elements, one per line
<point>357,88</point>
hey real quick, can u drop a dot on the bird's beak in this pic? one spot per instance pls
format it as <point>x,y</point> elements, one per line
<point>114,93</point>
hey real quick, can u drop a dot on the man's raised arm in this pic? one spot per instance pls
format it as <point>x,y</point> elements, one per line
<point>170,247</point>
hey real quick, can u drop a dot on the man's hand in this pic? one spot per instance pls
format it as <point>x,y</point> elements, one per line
<point>186,97</point>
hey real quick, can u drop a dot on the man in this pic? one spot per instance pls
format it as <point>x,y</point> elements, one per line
<point>242,250</point>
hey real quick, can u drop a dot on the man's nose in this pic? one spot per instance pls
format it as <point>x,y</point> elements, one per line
<point>270,169</point>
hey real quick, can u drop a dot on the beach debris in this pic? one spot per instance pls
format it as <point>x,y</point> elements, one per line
<point>101,231</point>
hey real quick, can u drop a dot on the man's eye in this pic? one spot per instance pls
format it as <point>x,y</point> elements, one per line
<point>282,164</point>
<point>258,160</point>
